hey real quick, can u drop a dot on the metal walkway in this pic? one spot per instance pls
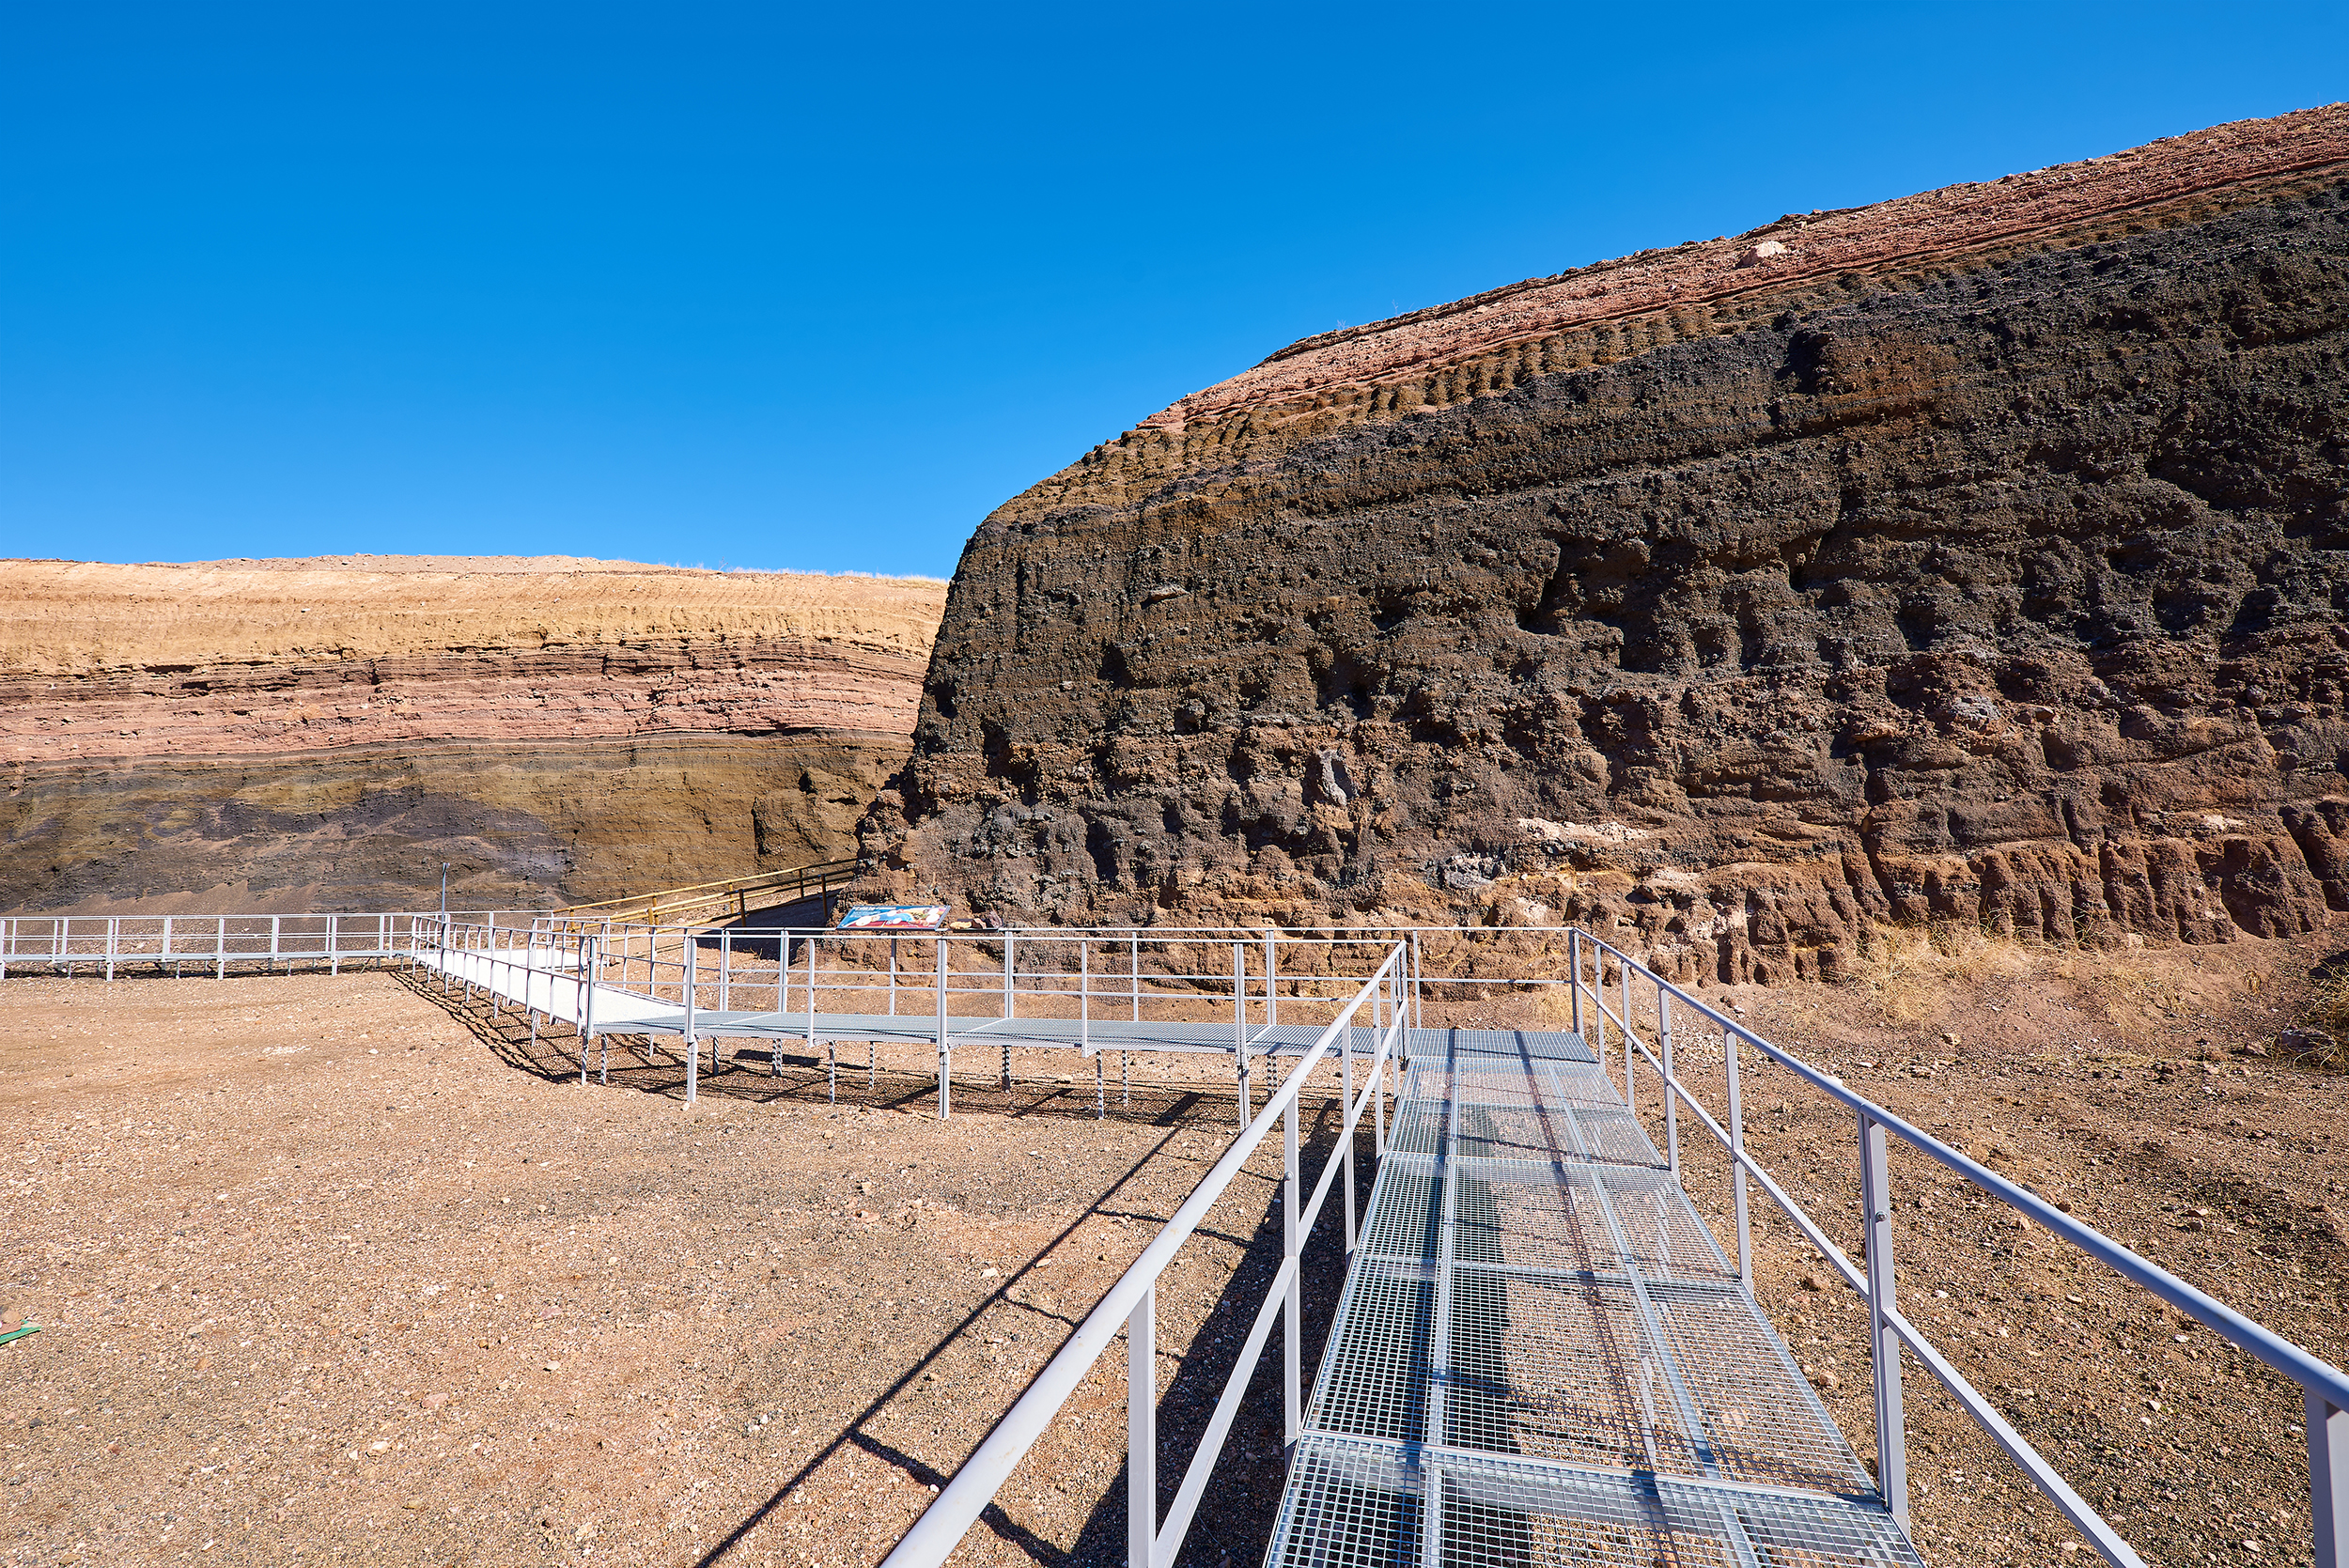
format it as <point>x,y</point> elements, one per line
<point>1541,1356</point>
<point>545,979</point>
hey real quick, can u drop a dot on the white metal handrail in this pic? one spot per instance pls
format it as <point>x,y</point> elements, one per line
<point>2324,1388</point>
<point>1130,1304</point>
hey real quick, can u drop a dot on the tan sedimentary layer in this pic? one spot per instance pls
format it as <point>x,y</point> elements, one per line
<point>265,735</point>
<point>73,616</point>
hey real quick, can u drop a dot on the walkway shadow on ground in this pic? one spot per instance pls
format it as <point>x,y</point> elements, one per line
<point>1237,1512</point>
<point>768,1073</point>
<point>1238,1508</point>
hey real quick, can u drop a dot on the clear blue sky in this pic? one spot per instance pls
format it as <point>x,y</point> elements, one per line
<point>818,287</point>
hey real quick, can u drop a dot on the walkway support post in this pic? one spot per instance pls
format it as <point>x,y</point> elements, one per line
<point>1884,1343</point>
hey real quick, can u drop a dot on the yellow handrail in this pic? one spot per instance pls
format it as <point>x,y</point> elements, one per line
<point>735,890</point>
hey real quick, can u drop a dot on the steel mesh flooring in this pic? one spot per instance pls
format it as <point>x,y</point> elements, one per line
<point>1541,1354</point>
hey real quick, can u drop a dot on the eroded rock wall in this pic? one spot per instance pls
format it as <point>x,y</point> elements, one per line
<point>1975,557</point>
<point>322,735</point>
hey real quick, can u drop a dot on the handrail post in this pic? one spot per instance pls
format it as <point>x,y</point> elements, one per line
<point>1239,1027</point>
<point>1884,1345</point>
<point>1574,989</point>
<point>832,1053</point>
<point>1630,1051</point>
<point>692,1046</point>
<point>587,1002</point>
<point>1292,1310</point>
<point>1737,1162</point>
<point>946,1061</point>
<point>2328,1480</point>
<point>114,935</point>
<point>1345,1129</point>
<point>1671,1093</point>
<point>1272,983</point>
<point>1009,962</point>
<point>1141,1429</point>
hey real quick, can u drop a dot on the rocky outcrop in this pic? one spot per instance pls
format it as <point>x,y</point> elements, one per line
<point>1974,557</point>
<point>324,734</point>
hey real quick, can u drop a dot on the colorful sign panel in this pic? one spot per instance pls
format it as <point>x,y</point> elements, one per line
<point>892,917</point>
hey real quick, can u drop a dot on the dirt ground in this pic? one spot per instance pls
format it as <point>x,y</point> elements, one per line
<point>330,1271</point>
<point>338,1271</point>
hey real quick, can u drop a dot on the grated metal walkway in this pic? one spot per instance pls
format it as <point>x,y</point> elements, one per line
<point>1541,1356</point>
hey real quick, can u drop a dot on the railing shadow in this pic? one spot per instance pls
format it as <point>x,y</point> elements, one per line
<point>749,1075</point>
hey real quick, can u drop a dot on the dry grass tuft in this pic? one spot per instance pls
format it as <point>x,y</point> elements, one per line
<point>2323,1038</point>
<point>1912,969</point>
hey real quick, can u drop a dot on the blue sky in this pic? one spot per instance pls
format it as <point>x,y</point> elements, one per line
<point>816,289</point>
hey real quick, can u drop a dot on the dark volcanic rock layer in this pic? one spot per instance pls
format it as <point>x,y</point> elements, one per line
<point>1977,557</point>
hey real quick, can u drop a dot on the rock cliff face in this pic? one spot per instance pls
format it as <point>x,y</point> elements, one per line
<point>1978,556</point>
<point>323,733</point>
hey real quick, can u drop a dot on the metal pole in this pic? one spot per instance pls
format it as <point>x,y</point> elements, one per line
<point>1346,1127</point>
<point>1084,1030</point>
<point>1272,983</point>
<point>334,944</point>
<point>219,951</point>
<point>587,1001</point>
<point>1884,1345</point>
<point>1630,1055</point>
<point>1239,1027</point>
<point>725,976</point>
<point>1141,1430</point>
<point>114,927</point>
<point>945,1059</point>
<point>893,977</point>
<point>832,1048</point>
<point>1009,963</point>
<point>692,1046</point>
<point>2328,1480</point>
<point>1574,966</point>
<point>1292,1310</point>
<point>1671,1096</point>
<point>1736,1161</point>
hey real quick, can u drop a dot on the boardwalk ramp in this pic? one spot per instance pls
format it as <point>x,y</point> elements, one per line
<point>1541,1356</point>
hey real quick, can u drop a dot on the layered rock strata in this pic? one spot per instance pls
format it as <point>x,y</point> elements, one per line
<point>324,734</point>
<point>1977,556</point>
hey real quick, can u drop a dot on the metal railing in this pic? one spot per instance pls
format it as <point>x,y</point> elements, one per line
<point>1131,1305</point>
<point>220,944</point>
<point>2324,1389</point>
<point>871,974</point>
<point>703,902</point>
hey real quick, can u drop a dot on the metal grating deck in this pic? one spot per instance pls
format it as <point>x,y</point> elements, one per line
<point>1543,1357</point>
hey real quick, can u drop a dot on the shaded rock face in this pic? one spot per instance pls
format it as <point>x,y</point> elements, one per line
<point>257,737</point>
<point>2003,584</point>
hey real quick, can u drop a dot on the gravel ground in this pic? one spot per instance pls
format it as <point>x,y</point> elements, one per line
<point>331,1272</point>
<point>341,1270</point>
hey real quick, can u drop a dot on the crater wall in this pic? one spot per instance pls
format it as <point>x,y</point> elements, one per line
<point>1977,556</point>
